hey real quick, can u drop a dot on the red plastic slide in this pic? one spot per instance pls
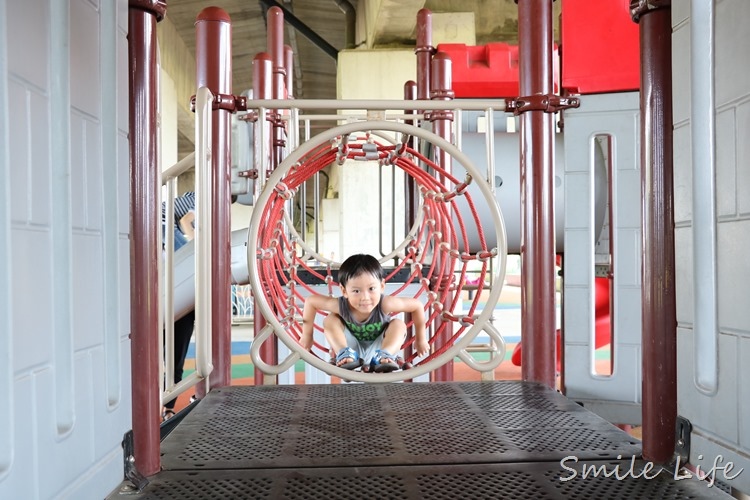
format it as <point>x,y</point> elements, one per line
<point>602,336</point>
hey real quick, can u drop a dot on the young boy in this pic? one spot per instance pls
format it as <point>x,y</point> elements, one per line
<point>359,327</point>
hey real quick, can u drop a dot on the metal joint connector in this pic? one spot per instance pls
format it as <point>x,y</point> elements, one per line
<point>542,102</point>
<point>228,102</point>
<point>640,7</point>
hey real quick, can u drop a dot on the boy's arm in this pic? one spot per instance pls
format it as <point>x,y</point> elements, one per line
<point>416,309</point>
<point>313,304</point>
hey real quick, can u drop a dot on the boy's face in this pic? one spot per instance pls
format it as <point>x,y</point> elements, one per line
<point>363,293</point>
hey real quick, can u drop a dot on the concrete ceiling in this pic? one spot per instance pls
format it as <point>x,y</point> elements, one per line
<point>389,23</point>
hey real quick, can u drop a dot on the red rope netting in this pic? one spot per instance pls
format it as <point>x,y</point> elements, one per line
<point>435,253</point>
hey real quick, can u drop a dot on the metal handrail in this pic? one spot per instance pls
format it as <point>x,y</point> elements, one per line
<point>201,159</point>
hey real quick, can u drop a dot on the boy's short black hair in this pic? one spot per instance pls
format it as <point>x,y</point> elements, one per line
<point>359,264</point>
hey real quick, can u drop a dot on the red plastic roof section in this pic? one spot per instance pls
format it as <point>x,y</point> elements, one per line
<point>600,47</point>
<point>485,70</point>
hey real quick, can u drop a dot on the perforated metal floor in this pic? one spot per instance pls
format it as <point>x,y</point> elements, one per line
<point>414,440</point>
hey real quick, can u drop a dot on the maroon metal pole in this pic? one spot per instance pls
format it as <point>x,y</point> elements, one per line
<point>424,52</point>
<point>441,90</point>
<point>275,42</point>
<point>213,54</point>
<point>145,219</point>
<point>263,89</point>
<point>659,342</point>
<point>538,318</point>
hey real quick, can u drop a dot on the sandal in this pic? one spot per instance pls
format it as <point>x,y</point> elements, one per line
<point>378,365</point>
<point>167,415</point>
<point>348,352</point>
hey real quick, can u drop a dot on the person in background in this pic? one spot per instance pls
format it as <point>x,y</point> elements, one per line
<point>183,227</point>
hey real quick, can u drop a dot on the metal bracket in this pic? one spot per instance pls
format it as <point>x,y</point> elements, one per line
<point>549,103</point>
<point>137,479</point>
<point>249,174</point>
<point>683,429</point>
<point>640,7</point>
<point>228,102</point>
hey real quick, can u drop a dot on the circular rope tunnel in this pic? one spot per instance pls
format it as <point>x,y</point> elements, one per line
<point>434,255</point>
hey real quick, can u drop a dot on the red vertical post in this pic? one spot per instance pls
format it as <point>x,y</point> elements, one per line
<point>213,54</point>
<point>538,318</point>
<point>659,313</point>
<point>441,90</point>
<point>145,219</point>
<point>275,42</point>
<point>424,52</point>
<point>262,89</point>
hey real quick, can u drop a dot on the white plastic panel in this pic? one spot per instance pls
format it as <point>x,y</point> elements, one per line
<point>720,421</point>
<point>6,321</point>
<point>617,396</point>
<point>64,167</point>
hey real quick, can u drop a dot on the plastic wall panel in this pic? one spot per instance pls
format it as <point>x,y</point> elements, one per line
<point>717,414</point>
<point>66,455</point>
<point>744,396</point>
<point>18,156</point>
<point>734,276</point>
<point>93,175</point>
<point>628,180</point>
<point>683,275</point>
<point>726,162</point>
<point>616,116</point>
<point>69,382</point>
<point>6,320</point>
<point>32,300</point>
<point>732,44</point>
<point>580,273</point>
<point>628,326</point>
<point>621,386</point>
<point>28,42</point>
<point>579,328</point>
<point>627,263</point>
<point>86,94</point>
<point>743,160</point>
<point>88,301</point>
<point>681,69</point>
<point>20,481</point>
<point>683,183</point>
<point>576,208</point>
<point>123,191</point>
<point>86,188</point>
<point>720,423</point>
<point>30,176</point>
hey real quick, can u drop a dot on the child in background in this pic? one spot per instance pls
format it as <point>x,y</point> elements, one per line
<point>359,327</point>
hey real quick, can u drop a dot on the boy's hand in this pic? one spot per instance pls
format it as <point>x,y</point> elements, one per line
<point>421,347</point>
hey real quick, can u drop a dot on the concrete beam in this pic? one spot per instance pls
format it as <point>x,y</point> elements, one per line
<point>391,22</point>
<point>179,63</point>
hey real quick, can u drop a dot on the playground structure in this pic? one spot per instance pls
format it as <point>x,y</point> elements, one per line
<point>436,247</point>
<point>82,367</point>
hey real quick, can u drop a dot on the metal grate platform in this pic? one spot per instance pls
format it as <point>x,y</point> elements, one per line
<point>413,440</point>
<point>533,480</point>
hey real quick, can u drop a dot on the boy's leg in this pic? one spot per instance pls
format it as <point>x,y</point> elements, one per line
<point>336,336</point>
<point>394,337</point>
<point>382,354</point>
